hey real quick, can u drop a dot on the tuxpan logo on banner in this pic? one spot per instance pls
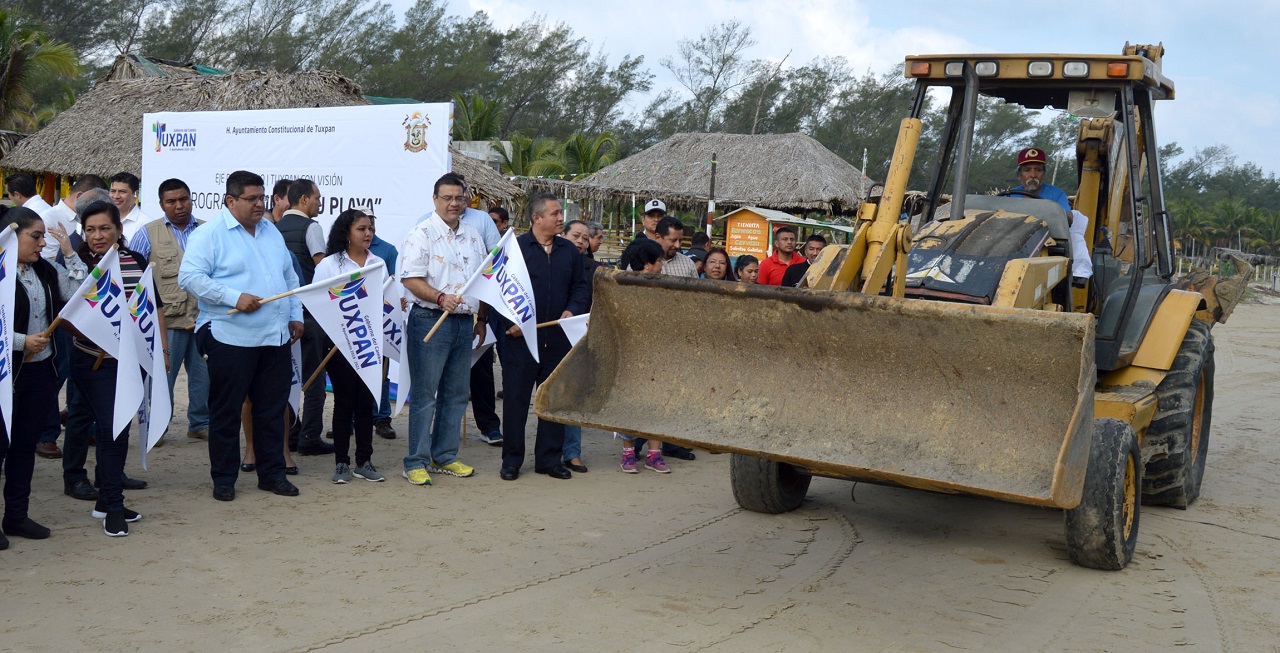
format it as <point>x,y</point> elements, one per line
<point>376,156</point>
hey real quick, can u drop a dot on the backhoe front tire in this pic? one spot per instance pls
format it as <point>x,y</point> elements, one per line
<point>1181,424</point>
<point>761,485</point>
<point>1103,530</point>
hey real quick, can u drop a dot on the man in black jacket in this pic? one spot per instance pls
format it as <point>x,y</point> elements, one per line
<point>560,290</point>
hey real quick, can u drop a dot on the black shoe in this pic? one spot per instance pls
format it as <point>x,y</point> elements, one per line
<point>134,484</point>
<point>509,473</point>
<point>115,524</point>
<point>581,469</point>
<point>558,471</point>
<point>384,430</point>
<point>683,453</point>
<point>80,489</point>
<point>100,512</point>
<point>4,543</point>
<point>248,467</point>
<point>316,447</point>
<point>291,471</point>
<point>281,487</point>
<point>26,528</point>
<point>224,492</point>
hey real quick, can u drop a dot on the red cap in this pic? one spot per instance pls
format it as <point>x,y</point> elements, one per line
<point>1031,155</point>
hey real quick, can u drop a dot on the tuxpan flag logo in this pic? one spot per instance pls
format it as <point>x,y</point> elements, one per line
<point>502,281</point>
<point>513,293</point>
<point>177,139</point>
<point>105,296</point>
<point>143,311</point>
<point>354,287</point>
<point>8,292</point>
<point>3,270</point>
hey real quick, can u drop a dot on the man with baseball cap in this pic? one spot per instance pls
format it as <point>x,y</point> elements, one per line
<point>654,211</point>
<point>1031,174</point>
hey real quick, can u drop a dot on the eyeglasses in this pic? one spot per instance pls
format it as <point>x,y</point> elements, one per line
<point>252,199</point>
<point>452,199</point>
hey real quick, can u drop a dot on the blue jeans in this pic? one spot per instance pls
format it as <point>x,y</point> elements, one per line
<point>382,410</point>
<point>440,371</point>
<point>572,442</point>
<point>182,351</point>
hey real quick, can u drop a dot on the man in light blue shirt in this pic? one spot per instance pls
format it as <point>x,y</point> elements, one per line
<point>233,262</point>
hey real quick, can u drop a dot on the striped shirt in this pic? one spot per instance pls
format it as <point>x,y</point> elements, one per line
<point>141,242</point>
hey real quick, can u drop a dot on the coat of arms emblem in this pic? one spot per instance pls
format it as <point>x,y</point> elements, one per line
<point>415,131</point>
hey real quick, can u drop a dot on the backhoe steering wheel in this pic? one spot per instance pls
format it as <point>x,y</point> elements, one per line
<point>1023,193</point>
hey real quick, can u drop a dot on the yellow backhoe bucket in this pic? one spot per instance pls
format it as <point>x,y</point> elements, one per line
<point>940,396</point>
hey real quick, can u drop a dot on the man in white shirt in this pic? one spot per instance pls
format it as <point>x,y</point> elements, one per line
<point>22,190</point>
<point>124,194</point>
<point>63,214</point>
<point>439,256</point>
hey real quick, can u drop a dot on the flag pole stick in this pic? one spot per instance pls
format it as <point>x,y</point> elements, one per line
<point>269,299</point>
<point>46,333</point>
<point>547,324</point>
<point>436,327</point>
<point>319,368</point>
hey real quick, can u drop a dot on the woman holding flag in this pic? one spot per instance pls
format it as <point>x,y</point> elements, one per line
<point>42,288</point>
<point>348,251</point>
<point>94,372</point>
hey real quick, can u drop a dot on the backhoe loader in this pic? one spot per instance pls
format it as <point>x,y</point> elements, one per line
<point>962,359</point>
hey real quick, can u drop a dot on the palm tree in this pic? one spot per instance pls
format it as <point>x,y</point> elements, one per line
<point>584,155</point>
<point>531,157</point>
<point>1266,238</point>
<point>476,119</point>
<point>26,57</point>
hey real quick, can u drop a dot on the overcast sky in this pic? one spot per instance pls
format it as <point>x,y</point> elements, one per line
<point>1224,95</point>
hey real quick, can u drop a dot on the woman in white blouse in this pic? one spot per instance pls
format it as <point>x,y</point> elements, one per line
<point>353,403</point>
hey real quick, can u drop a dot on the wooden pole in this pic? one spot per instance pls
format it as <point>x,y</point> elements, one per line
<point>547,324</point>
<point>46,333</point>
<point>436,327</point>
<point>320,369</point>
<point>269,299</point>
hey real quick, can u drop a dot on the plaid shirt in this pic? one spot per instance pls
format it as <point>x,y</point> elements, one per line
<point>680,266</point>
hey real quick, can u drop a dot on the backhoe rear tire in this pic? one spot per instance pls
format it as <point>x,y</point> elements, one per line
<point>1181,424</point>
<point>1103,530</point>
<point>761,485</point>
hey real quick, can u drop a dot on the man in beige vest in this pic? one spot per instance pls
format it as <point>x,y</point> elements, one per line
<point>162,243</point>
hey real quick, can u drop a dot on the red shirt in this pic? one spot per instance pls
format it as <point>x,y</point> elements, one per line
<point>772,269</point>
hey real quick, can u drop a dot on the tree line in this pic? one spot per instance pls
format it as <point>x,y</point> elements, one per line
<point>565,108</point>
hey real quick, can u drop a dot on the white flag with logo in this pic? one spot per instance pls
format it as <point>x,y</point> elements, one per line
<point>349,308</point>
<point>295,379</point>
<point>97,309</point>
<point>503,283</point>
<point>8,288</point>
<point>157,408</point>
<point>392,320</point>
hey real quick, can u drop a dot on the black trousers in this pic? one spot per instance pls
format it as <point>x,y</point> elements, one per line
<point>483,403</point>
<point>98,389</point>
<point>519,374</point>
<point>35,396</point>
<point>314,348</point>
<point>352,404</point>
<point>262,375</point>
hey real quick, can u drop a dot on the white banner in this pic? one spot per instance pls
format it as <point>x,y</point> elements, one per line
<point>97,310</point>
<point>481,344</point>
<point>8,288</point>
<point>503,283</point>
<point>349,308</point>
<point>380,156</point>
<point>575,327</point>
<point>157,408</point>
<point>392,320</point>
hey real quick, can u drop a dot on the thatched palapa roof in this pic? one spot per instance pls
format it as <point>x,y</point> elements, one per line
<point>780,171</point>
<point>98,134</point>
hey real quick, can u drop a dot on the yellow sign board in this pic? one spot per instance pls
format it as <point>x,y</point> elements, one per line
<point>747,234</point>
